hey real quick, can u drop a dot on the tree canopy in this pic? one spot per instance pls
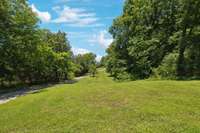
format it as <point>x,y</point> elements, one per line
<point>29,54</point>
<point>85,63</point>
<point>148,31</point>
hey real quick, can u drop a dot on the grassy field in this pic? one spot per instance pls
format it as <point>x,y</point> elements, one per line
<point>100,105</point>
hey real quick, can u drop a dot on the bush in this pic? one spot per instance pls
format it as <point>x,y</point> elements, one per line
<point>93,70</point>
<point>168,67</point>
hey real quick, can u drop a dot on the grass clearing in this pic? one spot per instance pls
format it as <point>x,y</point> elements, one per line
<point>100,105</point>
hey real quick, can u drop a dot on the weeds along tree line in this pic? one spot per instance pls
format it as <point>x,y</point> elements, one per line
<point>156,38</point>
<point>29,54</point>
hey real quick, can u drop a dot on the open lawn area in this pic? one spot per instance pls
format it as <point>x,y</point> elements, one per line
<point>101,105</point>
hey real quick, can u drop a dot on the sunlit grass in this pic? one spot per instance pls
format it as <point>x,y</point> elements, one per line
<point>100,105</point>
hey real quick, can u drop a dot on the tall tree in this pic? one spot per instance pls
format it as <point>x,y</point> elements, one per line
<point>189,24</point>
<point>27,53</point>
<point>148,31</point>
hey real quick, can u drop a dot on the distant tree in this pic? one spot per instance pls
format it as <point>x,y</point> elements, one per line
<point>85,63</point>
<point>93,70</point>
<point>103,61</point>
<point>58,41</point>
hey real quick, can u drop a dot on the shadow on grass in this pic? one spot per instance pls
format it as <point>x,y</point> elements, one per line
<point>7,93</point>
<point>188,78</point>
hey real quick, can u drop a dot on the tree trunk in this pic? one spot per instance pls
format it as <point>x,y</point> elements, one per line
<point>2,83</point>
<point>181,72</point>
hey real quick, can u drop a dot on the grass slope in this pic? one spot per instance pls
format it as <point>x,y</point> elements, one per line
<point>100,105</point>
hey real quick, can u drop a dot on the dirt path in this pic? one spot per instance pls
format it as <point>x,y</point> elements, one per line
<point>6,97</point>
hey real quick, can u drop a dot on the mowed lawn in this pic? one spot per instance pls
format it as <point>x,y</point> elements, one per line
<point>100,105</point>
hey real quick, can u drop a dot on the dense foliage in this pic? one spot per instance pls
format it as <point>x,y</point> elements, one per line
<point>27,53</point>
<point>85,63</point>
<point>103,61</point>
<point>150,30</point>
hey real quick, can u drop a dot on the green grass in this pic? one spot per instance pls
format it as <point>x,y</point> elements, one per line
<point>100,105</point>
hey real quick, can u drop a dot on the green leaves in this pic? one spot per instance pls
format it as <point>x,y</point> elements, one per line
<point>27,53</point>
<point>147,31</point>
<point>85,63</point>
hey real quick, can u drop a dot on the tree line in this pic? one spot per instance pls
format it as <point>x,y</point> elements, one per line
<point>155,38</point>
<point>29,54</point>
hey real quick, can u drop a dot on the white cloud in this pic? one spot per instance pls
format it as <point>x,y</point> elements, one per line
<point>81,51</point>
<point>56,8</point>
<point>78,51</point>
<point>65,1</point>
<point>102,39</point>
<point>43,16</point>
<point>98,58</point>
<point>75,17</point>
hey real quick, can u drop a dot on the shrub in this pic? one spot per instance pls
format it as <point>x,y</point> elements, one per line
<point>168,67</point>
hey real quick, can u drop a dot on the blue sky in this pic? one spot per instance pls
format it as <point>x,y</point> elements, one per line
<point>85,21</point>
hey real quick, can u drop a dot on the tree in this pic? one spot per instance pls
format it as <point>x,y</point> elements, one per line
<point>18,43</point>
<point>93,70</point>
<point>29,54</point>
<point>150,30</point>
<point>189,24</point>
<point>85,63</point>
<point>58,41</point>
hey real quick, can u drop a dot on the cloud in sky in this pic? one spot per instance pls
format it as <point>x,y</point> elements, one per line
<point>75,17</point>
<point>98,58</point>
<point>81,51</point>
<point>43,16</point>
<point>64,1</point>
<point>102,39</point>
<point>84,21</point>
